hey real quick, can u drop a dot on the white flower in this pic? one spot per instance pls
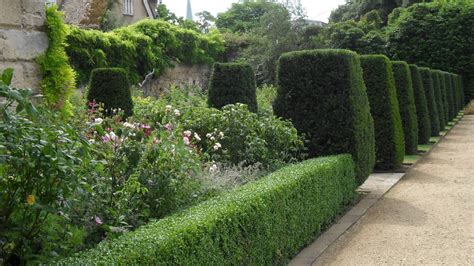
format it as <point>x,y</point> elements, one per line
<point>126,124</point>
<point>168,108</point>
<point>176,112</point>
<point>197,137</point>
<point>208,135</point>
<point>92,141</point>
<point>98,120</point>
<point>213,168</point>
<point>187,133</point>
<point>212,138</point>
<point>221,134</point>
<point>217,146</point>
<point>112,136</point>
<point>186,141</point>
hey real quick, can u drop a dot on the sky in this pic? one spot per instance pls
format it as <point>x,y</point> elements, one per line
<point>315,9</point>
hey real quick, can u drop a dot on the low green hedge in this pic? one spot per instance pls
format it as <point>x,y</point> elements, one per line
<point>262,223</point>
<point>232,83</point>
<point>439,99</point>
<point>427,80</point>
<point>389,139</point>
<point>323,93</point>
<point>444,99</point>
<point>424,124</point>
<point>449,95</point>
<point>406,101</point>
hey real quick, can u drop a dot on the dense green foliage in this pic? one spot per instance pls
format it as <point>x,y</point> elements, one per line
<point>59,79</point>
<point>110,86</point>
<point>427,80</point>
<point>449,95</point>
<point>264,222</point>
<point>340,122</point>
<point>439,99</point>
<point>422,113</point>
<point>232,83</point>
<point>406,101</point>
<point>382,94</point>
<point>438,35</point>
<point>141,47</point>
<point>444,97</point>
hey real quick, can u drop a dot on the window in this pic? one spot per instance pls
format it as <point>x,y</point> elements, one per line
<point>128,7</point>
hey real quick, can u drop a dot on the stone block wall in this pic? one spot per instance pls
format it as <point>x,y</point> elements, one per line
<point>180,75</point>
<point>22,39</point>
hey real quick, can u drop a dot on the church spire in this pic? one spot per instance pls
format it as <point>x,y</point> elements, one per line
<point>189,12</point>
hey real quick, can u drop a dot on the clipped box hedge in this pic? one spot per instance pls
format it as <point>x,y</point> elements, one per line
<point>323,93</point>
<point>111,87</point>
<point>422,114</point>
<point>406,101</point>
<point>262,223</point>
<point>427,80</point>
<point>449,95</point>
<point>439,99</point>
<point>444,99</point>
<point>232,83</point>
<point>389,139</point>
<point>457,94</point>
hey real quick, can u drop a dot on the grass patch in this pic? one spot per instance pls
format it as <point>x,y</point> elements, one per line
<point>411,159</point>
<point>434,139</point>
<point>425,147</point>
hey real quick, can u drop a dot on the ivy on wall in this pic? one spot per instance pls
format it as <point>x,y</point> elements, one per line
<point>59,79</point>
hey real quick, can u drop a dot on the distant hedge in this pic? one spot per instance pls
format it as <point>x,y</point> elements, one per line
<point>437,35</point>
<point>139,48</point>
<point>111,87</point>
<point>265,222</point>
<point>457,90</point>
<point>232,83</point>
<point>406,101</point>
<point>438,99</point>
<point>427,80</point>
<point>444,99</point>
<point>323,93</point>
<point>422,114</point>
<point>449,95</point>
<point>389,139</point>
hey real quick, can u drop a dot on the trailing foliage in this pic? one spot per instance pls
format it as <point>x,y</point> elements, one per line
<point>438,35</point>
<point>141,47</point>
<point>264,222</point>
<point>427,80</point>
<point>422,113</point>
<point>439,99</point>
<point>232,83</point>
<point>59,79</point>
<point>382,94</point>
<point>110,86</point>
<point>406,101</point>
<point>323,93</point>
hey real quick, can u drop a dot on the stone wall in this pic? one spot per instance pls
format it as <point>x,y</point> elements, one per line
<point>180,75</point>
<point>22,39</point>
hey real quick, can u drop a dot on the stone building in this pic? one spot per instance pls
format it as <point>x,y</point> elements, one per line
<point>22,39</point>
<point>89,13</point>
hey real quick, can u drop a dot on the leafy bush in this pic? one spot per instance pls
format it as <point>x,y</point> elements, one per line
<point>439,99</point>
<point>382,94</point>
<point>232,83</point>
<point>39,165</point>
<point>139,48</point>
<point>322,92</point>
<point>422,114</point>
<point>437,35</point>
<point>427,80</point>
<point>264,222</point>
<point>235,135</point>
<point>406,101</point>
<point>265,97</point>
<point>59,79</point>
<point>111,87</point>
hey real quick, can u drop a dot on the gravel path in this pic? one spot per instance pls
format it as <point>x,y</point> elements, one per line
<point>427,218</point>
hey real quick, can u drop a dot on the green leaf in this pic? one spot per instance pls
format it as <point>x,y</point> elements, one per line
<point>7,76</point>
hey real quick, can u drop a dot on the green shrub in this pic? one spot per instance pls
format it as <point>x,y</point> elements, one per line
<point>263,222</point>
<point>323,93</point>
<point>382,94</point>
<point>406,101</point>
<point>427,80</point>
<point>437,35</point>
<point>442,86</point>
<point>438,98</point>
<point>457,93</point>
<point>422,114</point>
<point>59,79</point>
<point>111,87</point>
<point>449,95</point>
<point>232,83</point>
<point>140,47</point>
